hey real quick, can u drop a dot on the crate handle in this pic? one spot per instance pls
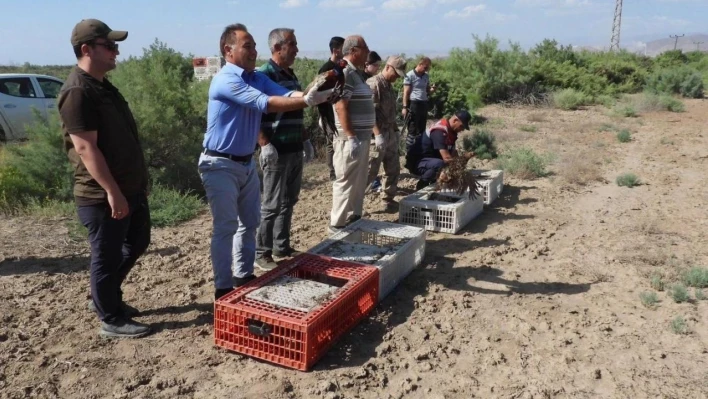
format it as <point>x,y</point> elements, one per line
<point>428,210</point>
<point>259,328</point>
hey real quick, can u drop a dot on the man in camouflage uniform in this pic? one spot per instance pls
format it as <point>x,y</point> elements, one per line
<point>385,146</point>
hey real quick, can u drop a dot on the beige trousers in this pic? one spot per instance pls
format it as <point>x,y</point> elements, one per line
<point>391,163</point>
<point>349,187</point>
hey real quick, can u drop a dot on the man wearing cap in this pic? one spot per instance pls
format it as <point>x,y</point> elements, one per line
<point>238,98</point>
<point>110,173</point>
<point>385,130</point>
<point>437,146</point>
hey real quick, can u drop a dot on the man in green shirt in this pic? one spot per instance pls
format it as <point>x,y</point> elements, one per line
<point>282,139</point>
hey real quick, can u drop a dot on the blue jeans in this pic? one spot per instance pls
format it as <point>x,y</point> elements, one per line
<point>234,197</point>
<point>281,189</point>
<point>428,168</point>
<point>115,246</point>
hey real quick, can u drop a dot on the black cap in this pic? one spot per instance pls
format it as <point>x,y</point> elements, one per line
<point>89,29</point>
<point>464,117</point>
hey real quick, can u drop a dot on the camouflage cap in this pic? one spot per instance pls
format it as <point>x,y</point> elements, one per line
<point>90,29</point>
<point>398,64</point>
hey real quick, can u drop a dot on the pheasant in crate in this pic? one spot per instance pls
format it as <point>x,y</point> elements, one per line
<point>455,176</point>
<point>332,79</point>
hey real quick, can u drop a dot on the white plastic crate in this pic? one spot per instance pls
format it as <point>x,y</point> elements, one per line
<point>491,183</point>
<point>445,212</point>
<point>394,249</point>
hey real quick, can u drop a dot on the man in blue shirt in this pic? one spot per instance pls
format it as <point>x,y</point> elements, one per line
<point>238,97</point>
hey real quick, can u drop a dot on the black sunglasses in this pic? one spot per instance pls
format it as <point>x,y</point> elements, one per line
<point>110,46</point>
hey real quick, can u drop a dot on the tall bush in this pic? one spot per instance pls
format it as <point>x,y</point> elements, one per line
<point>684,80</point>
<point>170,111</point>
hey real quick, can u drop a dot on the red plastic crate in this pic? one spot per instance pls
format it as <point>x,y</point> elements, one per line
<point>290,337</point>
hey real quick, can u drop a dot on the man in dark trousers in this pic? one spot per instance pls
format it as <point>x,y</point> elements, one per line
<point>435,148</point>
<point>416,89</point>
<point>283,143</point>
<point>111,178</point>
<point>326,110</point>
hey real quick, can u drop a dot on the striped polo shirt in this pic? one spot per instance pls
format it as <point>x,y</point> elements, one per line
<point>284,128</point>
<point>362,114</point>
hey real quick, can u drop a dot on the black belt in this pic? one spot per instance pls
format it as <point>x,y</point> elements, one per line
<point>235,158</point>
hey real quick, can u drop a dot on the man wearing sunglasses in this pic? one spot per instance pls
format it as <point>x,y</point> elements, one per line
<point>110,173</point>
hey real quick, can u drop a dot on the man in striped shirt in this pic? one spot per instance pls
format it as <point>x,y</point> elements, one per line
<point>354,118</point>
<point>282,140</point>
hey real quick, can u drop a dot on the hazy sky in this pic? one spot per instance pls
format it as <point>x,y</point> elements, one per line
<point>38,31</point>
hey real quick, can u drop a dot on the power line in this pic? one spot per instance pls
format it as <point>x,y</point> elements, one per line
<point>616,25</point>
<point>698,45</point>
<point>676,37</point>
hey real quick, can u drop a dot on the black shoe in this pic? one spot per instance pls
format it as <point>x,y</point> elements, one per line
<point>128,311</point>
<point>266,261</point>
<point>124,328</point>
<point>241,281</point>
<point>332,176</point>
<point>221,292</point>
<point>422,184</point>
<point>289,252</point>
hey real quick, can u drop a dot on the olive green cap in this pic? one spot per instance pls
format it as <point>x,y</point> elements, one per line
<point>90,29</point>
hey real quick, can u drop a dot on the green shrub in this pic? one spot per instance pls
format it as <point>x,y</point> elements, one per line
<point>696,277</point>
<point>671,104</point>
<point>606,127</point>
<point>606,100</point>
<point>679,326</point>
<point>679,293</point>
<point>37,170</point>
<point>683,80</point>
<point>482,142</point>
<point>626,110</point>
<point>170,111</point>
<point>624,136</point>
<point>169,207</point>
<point>627,180</point>
<point>700,295</point>
<point>16,190</point>
<point>649,298</point>
<point>657,282</point>
<point>523,162</point>
<point>569,99</point>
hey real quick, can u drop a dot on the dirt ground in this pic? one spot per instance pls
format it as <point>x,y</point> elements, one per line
<point>536,298</point>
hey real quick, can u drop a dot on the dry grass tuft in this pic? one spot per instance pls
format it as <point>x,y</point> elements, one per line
<point>581,170</point>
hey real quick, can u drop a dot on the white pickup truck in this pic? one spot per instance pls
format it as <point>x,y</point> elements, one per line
<point>19,93</point>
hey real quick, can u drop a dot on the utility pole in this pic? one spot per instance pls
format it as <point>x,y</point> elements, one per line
<point>616,25</point>
<point>698,45</point>
<point>676,37</point>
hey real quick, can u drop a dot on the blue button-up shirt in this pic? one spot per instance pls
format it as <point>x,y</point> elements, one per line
<point>237,100</point>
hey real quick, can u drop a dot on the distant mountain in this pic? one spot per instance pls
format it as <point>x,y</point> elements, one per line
<point>685,43</point>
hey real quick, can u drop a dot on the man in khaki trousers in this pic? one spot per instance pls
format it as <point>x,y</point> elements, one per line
<point>386,131</point>
<point>354,118</point>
